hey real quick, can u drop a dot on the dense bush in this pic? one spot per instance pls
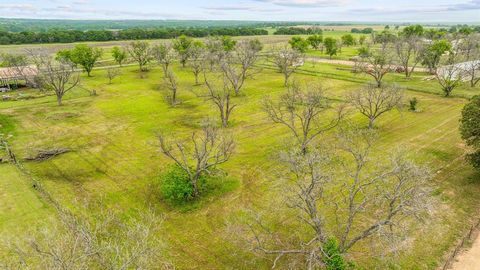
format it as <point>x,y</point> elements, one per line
<point>413,104</point>
<point>470,129</point>
<point>333,257</point>
<point>175,186</point>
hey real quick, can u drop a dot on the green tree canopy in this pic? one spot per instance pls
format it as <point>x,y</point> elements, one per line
<point>348,40</point>
<point>85,56</point>
<point>315,41</point>
<point>331,46</point>
<point>120,55</point>
<point>433,53</point>
<point>298,43</point>
<point>413,30</point>
<point>182,47</point>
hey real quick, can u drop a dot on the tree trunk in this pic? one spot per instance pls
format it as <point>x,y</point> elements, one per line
<point>371,123</point>
<point>474,81</point>
<point>165,70</point>
<point>174,97</point>
<point>304,149</point>
<point>196,191</point>
<point>407,72</point>
<point>224,118</point>
<point>59,100</point>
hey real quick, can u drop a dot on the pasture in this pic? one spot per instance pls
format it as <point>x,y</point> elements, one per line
<point>115,157</point>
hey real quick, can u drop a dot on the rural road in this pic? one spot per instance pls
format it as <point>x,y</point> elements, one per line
<point>347,62</point>
<point>469,259</point>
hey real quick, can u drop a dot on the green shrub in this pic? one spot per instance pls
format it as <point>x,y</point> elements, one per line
<point>175,189</point>
<point>175,186</point>
<point>470,129</point>
<point>474,159</point>
<point>413,104</point>
<point>333,257</point>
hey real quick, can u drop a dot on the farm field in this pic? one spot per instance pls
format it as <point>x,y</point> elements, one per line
<point>115,157</point>
<point>269,41</point>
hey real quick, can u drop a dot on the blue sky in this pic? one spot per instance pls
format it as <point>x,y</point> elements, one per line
<point>265,10</point>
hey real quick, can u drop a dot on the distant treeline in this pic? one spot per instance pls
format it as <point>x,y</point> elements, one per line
<point>42,25</point>
<point>298,31</point>
<point>68,36</point>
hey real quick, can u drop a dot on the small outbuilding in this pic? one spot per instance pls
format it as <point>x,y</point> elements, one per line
<point>12,76</point>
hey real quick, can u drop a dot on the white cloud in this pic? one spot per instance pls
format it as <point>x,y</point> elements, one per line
<point>81,2</point>
<point>17,7</point>
<point>306,3</point>
<point>242,8</point>
<point>469,5</point>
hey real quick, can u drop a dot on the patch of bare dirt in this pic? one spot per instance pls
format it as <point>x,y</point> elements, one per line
<point>470,258</point>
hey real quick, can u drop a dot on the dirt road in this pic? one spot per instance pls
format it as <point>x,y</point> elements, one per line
<point>470,258</point>
<point>347,62</point>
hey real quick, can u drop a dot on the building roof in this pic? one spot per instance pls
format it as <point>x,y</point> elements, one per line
<point>11,73</point>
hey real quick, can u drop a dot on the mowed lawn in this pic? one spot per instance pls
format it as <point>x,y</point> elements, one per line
<point>115,158</point>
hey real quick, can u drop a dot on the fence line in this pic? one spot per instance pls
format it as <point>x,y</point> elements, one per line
<point>37,185</point>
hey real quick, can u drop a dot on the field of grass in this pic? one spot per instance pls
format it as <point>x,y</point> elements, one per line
<point>115,158</point>
<point>269,40</point>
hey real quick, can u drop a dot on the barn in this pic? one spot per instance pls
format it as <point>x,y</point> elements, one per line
<point>12,77</point>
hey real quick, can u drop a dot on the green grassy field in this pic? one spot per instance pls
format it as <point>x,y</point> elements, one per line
<point>115,158</point>
<point>269,40</point>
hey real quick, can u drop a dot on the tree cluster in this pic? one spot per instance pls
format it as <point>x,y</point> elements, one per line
<point>298,31</point>
<point>70,36</point>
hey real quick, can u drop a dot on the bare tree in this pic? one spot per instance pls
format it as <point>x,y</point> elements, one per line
<point>56,76</point>
<point>377,200</point>
<point>221,97</point>
<point>304,112</point>
<point>171,82</point>
<point>287,61</point>
<point>238,65</point>
<point>409,51</point>
<point>217,50</point>
<point>141,52</point>
<point>376,63</point>
<point>451,74</point>
<point>107,243</point>
<point>472,70</point>
<point>198,56</point>
<point>165,55</point>
<point>205,151</point>
<point>468,46</point>
<point>112,73</point>
<point>470,50</point>
<point>393,193</point>
<point>373,101</point>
